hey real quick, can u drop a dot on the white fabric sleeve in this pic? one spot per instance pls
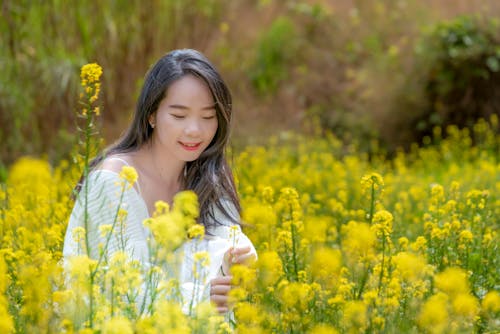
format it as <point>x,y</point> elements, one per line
<point>105,197</point>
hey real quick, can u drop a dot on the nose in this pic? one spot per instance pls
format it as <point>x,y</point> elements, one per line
<point>193,128</point>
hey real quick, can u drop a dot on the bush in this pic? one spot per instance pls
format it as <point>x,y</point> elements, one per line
<point>463,79</point>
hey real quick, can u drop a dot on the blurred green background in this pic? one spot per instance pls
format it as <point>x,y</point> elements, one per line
<point>381,73</point>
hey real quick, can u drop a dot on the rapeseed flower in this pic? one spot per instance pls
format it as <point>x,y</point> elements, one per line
<point>358,242</point>
<point>90,74</point>
<point>410,267</point>
<point>196,231</point>
<point>326,264</point>
<point>270,268</point>
<point>322,329</point>
<point>296,295</point>
<point>129,175</point>
<point>321,267</point>
<point>186,202</point>
<point>491,302</point>
<point>465,305</point>
<point>452,281</point>
<point>6,321</point>
<point>355,318</point>
<point>434,316</point>
<point>372,182</point>
<point>117,325</point>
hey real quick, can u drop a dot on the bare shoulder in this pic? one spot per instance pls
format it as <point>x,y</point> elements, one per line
<point>115,163</point>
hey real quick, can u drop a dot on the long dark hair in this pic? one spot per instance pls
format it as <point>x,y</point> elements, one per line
<point>209,176</point>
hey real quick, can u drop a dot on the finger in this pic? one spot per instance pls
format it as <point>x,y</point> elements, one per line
<point>238,252</point>
<point>222,309</point>
<point>241,250</point>
<point>228,254</point>
<point>219,300</point>
<point>223,280</point>
<point>245,257</point>
<point>220,289</point>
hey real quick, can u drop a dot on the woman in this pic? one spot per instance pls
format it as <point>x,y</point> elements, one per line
<point>176,141</point>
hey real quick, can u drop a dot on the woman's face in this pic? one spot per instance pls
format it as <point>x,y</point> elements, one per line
<point>186,119</point>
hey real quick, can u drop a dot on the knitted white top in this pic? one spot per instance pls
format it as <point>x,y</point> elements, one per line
<point>104,192</point>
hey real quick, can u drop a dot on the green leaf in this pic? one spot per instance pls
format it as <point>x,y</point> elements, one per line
<point>493,63</point>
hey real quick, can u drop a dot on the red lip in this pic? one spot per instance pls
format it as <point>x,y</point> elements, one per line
<point>190,146</point>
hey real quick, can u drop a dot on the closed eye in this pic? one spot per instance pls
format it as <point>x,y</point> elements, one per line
<point>178,116</point>
<point>209,117</point>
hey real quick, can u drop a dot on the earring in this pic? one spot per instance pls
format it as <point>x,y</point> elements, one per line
<point>152,125</point>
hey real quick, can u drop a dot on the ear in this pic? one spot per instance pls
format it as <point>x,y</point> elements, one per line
<point>152,121</point>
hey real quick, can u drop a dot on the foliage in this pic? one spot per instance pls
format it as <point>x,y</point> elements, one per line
<point>346,244</point>
<point>44,43</point>
<point>274,50</point>
<point>463,76</point>
<point>348,64</point>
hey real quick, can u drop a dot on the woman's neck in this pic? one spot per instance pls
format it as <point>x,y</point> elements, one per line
<point>164,168</point>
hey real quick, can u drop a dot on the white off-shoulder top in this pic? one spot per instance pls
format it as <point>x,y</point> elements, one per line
<point>103,199</point>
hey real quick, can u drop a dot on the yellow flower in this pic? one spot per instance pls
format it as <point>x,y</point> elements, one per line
<point>476,199</point>
<point>81,266</point>
<point>117,325</point>
<point>247,313</point>
<point>90,74</point>
<point>270,268</point>
<point>268,194</point>
<point>322,329</point>
<point>196,231</point>
<point>296,295</point>
<point>234,234</point>
<point>411,267</point>
<point>169,319</point>
<point>465,237</point>
<point>419,245</point>
<point>243,276</point>
<point>129,175</point>
<point>452,281</point>
<point>403,243</point>
<point>465,305</point>
<point>237,294</point>
<point>491,302</point>
<point>62,297</point>
<point>358,241</point>
<point>437,191</point>
<point>326,264</point>
<point>372,181</point>
<point>382,224</point>
<point>354,316</point>
<point>86,331</point>
<point>78,234</point>
<point>161,208</point>
<point>202,258</point>
<point>433,316</point>
<point>6,323</point>
<point>187,203</point>
<point>104,230</point>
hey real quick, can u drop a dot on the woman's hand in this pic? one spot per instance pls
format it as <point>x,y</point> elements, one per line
<point>220,286</point>
<point>239,255</point>
<point>219,290</point>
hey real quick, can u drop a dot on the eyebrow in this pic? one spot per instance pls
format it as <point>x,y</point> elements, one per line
<point>180,106</point>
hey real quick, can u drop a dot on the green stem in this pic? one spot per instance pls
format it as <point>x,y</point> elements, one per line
<point>86,155</point>
<point>372,202</point>
<point>294,253</point>
<point>112,297</point>
<point>364,279</point>
<point>381,276</point>
<point>91,301</point>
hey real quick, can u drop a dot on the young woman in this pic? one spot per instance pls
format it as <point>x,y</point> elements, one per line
<point>176,141</point>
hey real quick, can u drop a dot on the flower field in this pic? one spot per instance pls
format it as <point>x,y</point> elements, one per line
<point>347,243</point>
